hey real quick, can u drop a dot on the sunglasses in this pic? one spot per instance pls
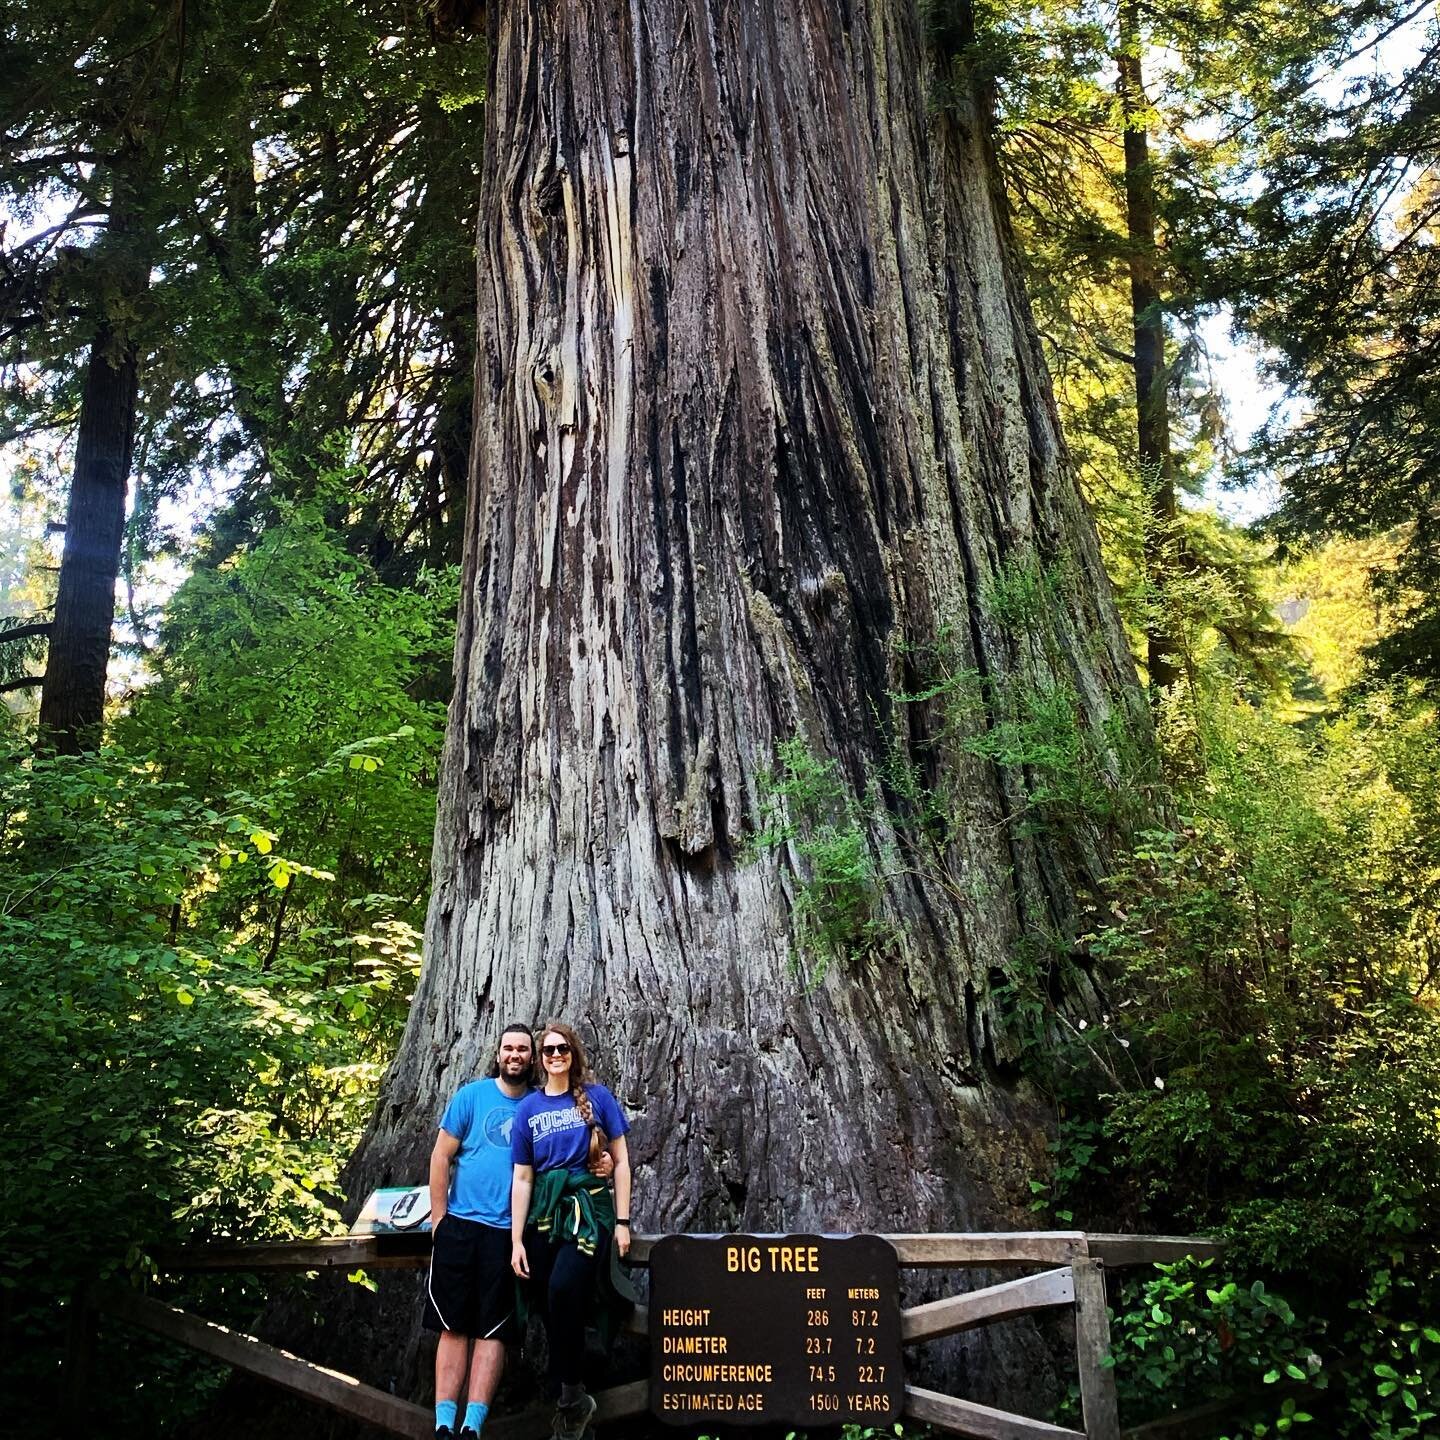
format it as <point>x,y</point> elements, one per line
<point>554,1049</point>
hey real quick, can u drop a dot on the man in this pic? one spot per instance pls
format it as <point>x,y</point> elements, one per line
<point>471,1290</point>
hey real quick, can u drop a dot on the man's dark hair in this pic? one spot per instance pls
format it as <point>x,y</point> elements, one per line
<point>517,1029</point>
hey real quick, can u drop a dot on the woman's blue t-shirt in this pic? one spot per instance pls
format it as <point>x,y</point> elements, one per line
<point>550,1134</point>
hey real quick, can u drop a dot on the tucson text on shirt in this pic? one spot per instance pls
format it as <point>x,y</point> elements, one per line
<point>548,1121</point>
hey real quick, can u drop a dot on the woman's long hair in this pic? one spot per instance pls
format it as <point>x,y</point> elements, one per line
<point>580,1077</point>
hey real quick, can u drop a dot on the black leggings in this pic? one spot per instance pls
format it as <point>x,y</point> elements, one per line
<point>562,1281</point>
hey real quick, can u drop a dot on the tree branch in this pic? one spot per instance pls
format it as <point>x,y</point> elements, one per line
<point>25,632</point>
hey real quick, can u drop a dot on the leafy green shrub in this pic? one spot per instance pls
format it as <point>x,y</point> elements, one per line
<point>1394,1339</point>
<point>1283,1052</point>
<point>209,934</point>
<point>1270,1067</point>
<point>158,1079</point>
<point>273,670</point>
<point>809,809</point>
<point>1185,1334</point>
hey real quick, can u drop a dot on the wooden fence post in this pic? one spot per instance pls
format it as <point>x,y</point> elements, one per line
<point>78,1375</point>
<point>1092,1349</point>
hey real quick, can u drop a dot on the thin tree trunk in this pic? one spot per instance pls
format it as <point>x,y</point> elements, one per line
<point>763,439</point>
<point>442,134</point>
<point>238,244</point>
<point>72,696</point>
<point>1157,463</point>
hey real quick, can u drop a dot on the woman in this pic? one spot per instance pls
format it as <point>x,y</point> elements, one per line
<point>562,1217</point>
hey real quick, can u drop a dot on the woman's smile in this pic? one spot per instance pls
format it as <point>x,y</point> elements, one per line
<point>556,1056</point>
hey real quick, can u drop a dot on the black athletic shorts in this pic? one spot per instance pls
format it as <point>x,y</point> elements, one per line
<point>471,1289</point>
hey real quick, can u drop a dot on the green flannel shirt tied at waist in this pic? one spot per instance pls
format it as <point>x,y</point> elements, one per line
<point>568,1206</point>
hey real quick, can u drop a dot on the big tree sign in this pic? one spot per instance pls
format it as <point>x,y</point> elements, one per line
<point>794,1330</point>
<point>764,450</point>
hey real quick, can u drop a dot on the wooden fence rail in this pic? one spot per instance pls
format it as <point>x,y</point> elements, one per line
<point>1075,1278</point>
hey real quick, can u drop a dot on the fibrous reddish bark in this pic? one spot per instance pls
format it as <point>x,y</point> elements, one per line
<point>761,416</point>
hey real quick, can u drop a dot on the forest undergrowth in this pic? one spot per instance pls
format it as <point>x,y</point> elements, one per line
<point>210,931</point>
<point>1245,1039</point>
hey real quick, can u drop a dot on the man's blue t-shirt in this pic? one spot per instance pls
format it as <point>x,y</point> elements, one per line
<point>481,1117</point>
<point>550,1134</point>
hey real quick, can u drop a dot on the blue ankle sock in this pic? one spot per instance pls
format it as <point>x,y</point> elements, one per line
<point>475,1414</point>
<point>445,1413</point>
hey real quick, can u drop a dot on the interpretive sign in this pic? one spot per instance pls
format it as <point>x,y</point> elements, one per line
<point>775,1329</point>
<point>394,1210</point>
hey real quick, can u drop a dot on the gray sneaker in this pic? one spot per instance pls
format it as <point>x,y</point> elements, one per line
<point>571,1420</point>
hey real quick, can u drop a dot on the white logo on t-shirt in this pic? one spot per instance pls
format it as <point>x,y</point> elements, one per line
<point>549,1121</point>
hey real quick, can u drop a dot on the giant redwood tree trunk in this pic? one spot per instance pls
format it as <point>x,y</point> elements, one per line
<point>762,432</point>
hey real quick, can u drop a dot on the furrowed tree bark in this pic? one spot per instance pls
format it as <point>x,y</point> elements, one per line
<point>1152,405</point>
<point>762,430</point>
<point>72,695</point>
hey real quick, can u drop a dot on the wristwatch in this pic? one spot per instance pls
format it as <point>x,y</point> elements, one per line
<point>625,1223</point>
